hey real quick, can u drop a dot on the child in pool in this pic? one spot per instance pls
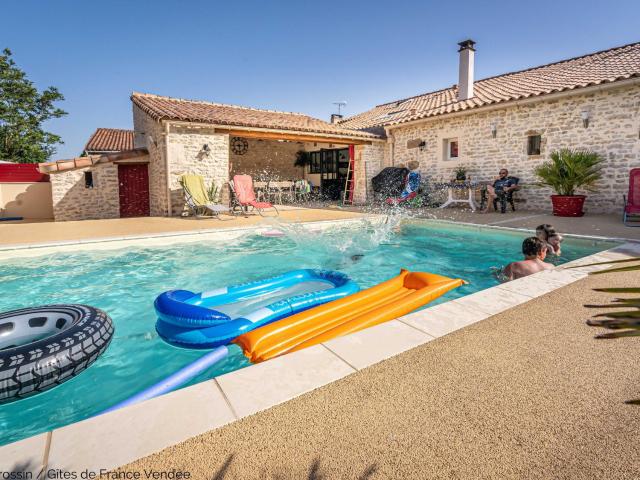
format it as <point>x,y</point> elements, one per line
<point>534,251</point>
<point>552,238</point>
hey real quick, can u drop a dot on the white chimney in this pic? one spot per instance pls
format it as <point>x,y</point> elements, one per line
<point>465,73</point>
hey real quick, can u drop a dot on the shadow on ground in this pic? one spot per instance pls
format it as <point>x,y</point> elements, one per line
<point>314,471</point>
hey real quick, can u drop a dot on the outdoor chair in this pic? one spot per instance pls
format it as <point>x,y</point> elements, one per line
<point>280,190</point>
<point>244,196</point>
<point>501,197</point>
<point>197,199</point>
<point>631,212</point>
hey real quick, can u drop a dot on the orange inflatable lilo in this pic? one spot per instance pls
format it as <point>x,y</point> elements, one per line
<point>381,303</point>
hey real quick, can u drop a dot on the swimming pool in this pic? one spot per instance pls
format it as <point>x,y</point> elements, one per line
<point>125,282</point>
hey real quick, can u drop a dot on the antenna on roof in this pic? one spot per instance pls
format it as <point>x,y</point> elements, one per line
<point>340,105</point>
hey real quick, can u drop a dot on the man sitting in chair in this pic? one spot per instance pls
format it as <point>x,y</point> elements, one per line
<point>502,191</point>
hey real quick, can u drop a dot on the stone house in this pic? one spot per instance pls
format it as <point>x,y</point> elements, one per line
<point>172,137</point>
<point>515,120</point>
<point>512,120</point>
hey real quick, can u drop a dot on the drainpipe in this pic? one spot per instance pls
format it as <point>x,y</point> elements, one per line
<point>166,165</point>
<point>391,141</point>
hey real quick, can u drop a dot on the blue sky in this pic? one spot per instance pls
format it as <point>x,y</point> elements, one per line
<point>288,55</point>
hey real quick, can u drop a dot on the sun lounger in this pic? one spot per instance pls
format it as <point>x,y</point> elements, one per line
<point>244,196</point>
<point>197,199</point>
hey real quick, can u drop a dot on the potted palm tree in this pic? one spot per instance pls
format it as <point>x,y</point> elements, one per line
<point>567,171</point>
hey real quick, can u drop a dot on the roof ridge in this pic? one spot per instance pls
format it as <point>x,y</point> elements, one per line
<point>116,129</point>
<point>218,104</point>
<point>566,60</point>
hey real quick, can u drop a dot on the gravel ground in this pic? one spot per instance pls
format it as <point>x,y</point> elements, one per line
<point>528,393</point>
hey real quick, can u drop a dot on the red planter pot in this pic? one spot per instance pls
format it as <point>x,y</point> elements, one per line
<point>568,205</point>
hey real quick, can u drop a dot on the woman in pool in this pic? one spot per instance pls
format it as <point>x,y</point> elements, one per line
<point>551,237</point>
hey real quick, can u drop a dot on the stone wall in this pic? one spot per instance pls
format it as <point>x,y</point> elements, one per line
<point>267,160</point>
<point>150,135</point>
<point>613,132</point>
<point>369,160</point>
<point>186,155</point>
<point>73,201</point>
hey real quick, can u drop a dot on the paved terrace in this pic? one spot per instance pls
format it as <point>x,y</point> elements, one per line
<point>30,232</point>
<point>596,225</point>
<point>15,233</point>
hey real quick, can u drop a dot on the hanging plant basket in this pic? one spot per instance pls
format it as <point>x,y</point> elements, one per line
<point>568,205</point>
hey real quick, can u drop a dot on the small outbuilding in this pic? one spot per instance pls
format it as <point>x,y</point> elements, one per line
<point>136,173</point>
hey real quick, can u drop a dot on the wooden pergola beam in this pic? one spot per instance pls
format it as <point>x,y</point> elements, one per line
<point>292,137</point>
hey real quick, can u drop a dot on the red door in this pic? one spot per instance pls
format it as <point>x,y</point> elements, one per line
<point>134,190</point>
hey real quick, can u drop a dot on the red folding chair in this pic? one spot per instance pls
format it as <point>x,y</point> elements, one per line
<point>245,197</point>
<point>631,213</point>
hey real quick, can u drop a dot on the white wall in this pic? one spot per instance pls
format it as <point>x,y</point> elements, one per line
<point>28,200</point>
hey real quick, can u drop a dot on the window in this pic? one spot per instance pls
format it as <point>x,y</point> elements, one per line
<point>451,149</point>
<point>88,179</point>
<point>314,165</point>
<point>533,144</point>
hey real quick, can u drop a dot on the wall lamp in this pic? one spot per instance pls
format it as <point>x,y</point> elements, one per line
<point>206,149</point>
<point>494,130</point>
<point>585,118</point>
<point>422,145</point>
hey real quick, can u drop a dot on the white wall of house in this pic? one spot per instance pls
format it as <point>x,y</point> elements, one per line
<point>27,200</point>
<point>613,132</point>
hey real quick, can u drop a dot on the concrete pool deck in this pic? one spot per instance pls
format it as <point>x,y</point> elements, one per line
<point>35,233</point>
<point>609,226</point>
<point>527,393</point>
<point>28,233</point>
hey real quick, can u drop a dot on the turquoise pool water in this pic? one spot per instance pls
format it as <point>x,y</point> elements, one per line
<point>125,283</point>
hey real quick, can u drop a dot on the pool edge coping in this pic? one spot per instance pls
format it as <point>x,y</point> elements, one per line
<point>416,322</point>
<point>34,249</point>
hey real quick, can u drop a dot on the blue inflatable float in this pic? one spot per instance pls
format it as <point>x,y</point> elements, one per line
<point>214,318</point>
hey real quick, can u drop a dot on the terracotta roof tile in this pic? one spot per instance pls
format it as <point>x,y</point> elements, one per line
<point>110,140</point>
<point>168,108</point>
<point>607,66</point>
<point>90,160</point>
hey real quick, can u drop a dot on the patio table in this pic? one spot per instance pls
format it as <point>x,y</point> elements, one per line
<point>452,187</point>
<point>261,189</point>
